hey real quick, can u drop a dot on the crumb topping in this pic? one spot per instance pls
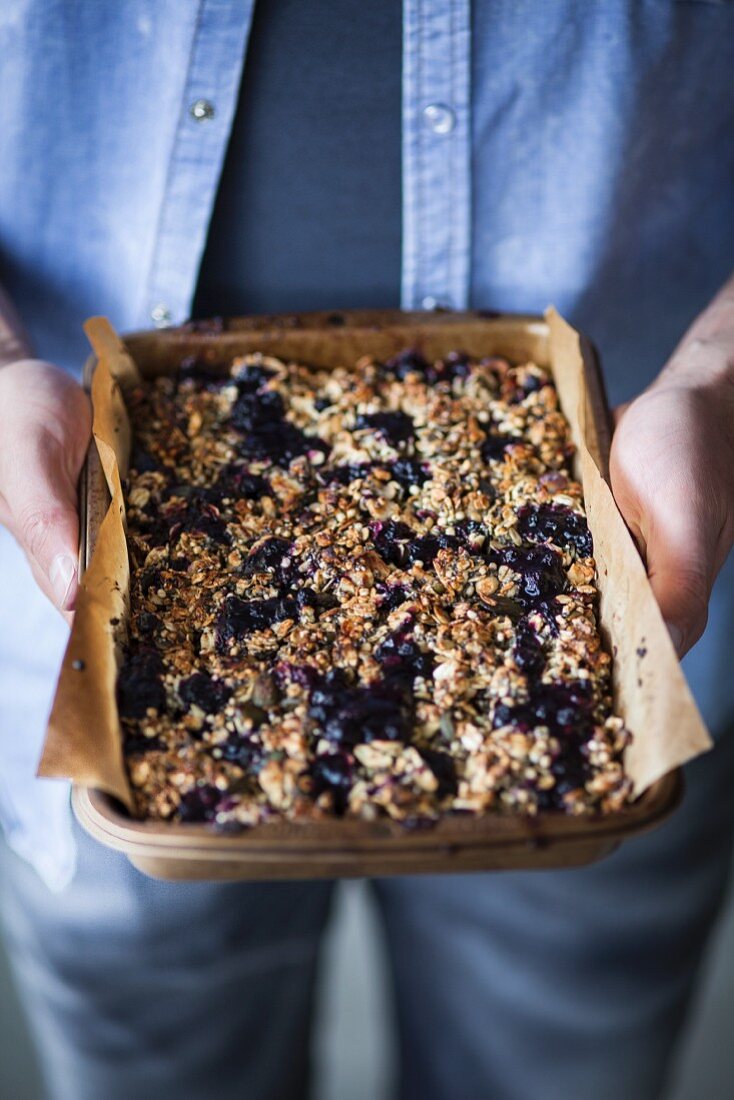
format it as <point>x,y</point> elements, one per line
<point>364,591</point>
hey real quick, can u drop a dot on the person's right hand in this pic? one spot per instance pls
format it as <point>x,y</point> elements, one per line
<point>45,425</point>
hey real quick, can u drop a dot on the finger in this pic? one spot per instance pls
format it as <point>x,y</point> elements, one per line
<point>41,501</point>
<point>680,565</point>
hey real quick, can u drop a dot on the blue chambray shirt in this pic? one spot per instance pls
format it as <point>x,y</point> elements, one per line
<point>553,150</point>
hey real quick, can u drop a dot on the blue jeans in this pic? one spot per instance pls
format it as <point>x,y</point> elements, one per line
<point>512,986</point>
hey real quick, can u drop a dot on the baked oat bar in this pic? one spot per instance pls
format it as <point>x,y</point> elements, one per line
<point>366,591</point>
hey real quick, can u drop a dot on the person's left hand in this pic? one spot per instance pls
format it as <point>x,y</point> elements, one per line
<point>672,471</point>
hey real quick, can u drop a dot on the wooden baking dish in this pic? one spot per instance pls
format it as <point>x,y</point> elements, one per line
<point>344,848</point>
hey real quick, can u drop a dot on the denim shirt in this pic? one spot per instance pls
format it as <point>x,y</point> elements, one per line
<point>552,150</point>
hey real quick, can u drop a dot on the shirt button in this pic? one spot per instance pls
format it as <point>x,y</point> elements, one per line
<point>160,315</point>
<point>202,110</point>
<point>439,118</point>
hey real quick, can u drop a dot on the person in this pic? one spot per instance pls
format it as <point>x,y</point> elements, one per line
<point>491,155</point>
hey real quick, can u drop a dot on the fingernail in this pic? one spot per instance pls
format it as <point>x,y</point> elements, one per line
<point>62,574</point>
<point>676,636</point>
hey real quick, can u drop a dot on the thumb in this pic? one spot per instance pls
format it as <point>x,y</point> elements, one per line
<point>679,564</point>
<point>41,500</point>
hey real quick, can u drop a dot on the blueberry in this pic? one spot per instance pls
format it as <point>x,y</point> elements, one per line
<point>140,684</point>
<point>392,596</point>
<point>199,804</point>
<point>142,461</point>
<point>238,618</point>
<point>406,362</point>
<point>333,772</point>
<point>347,714</point>
<point>147,624</point>
<point>528,650</point>
<point>401,656</point>
<point>347,473</point>
<point>443,767</point>
<point>570,770</point>
<point>270,555</point>
<point>134,744</point>
<point>305,676</point>
<point>454,365</point>
<point>236,482</point>
<point>253,378</point>
<point>207,521</point>
<point>472,533</point>
<point>267,435</point>
<point>408,472</point>
<point>202,690</point>
<point>426,547</point>
<point>390,540</point>
<point>558,524</point>
<point>396,427</point>
<point>251,411</point>
<point>241,750</point>
<point>150,577</point>
<point>566,710</point>
<point>494,446</point>
<point>540,569</point>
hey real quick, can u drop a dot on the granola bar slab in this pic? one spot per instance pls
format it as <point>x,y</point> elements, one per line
<point>364,591</point>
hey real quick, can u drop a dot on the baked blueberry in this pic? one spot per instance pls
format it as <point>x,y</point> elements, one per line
<point>408,472</point>
<point>396,427</point>
<point>347,714</point>
<point>558,524</point>
<point>204,691</point>
<point>140,684</point>
<point>333,772</point>
<point>199,804</point>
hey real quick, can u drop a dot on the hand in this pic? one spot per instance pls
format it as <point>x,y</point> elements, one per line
<point>672,471</point>
<point>45,425</point>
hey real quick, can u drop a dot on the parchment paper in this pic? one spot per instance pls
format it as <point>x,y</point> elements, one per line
<point>84,738</point>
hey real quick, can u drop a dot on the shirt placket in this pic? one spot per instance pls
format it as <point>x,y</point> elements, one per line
<point>436,154</point>
<point>208,105</point>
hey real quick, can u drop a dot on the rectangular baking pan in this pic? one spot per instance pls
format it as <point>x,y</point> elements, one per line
<point>348,848</point>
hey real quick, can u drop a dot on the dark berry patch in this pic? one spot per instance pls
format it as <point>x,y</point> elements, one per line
<point>396,427</point>
<point>268,556</point>
<point>203,691</point>
<point>199,804</point>
<point>407,362</point>
<point>565,709</point>
<point>140,685</point>
<point>408,472</point>
<point>540,570</point>
<point>558,524</point>
<point>240,750</point>
<point>252,378</point>
<point>347,715</point>
<point>401,656</point>
<point>237,482</point>
<point>346,474</point>
<point>494,447</point>
<point>443,767</point>
<point>260,417</point>
<point>142,461</point>
<point>392,596</point>
<point>135,744</point>
<point>333,772</point>
<point>528,650</point>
